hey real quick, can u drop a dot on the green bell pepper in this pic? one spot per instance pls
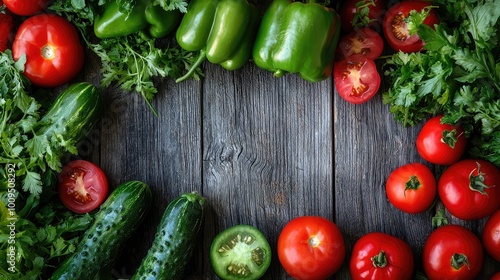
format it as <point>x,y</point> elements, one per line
<point>113,23</point>
<point>222,31</point>
<point>162,22</point>
<point>296,37</point>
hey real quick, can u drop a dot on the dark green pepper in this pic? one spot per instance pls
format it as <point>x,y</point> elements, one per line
<point>297,37</point>
<point>221,30</point>
<point>162,22</point>
<point>113,23</point>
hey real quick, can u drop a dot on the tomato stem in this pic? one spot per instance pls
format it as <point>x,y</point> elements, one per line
<point>379,260</point>
<point>450,137</point>
<point>477,181</point>
<point>412,184</point>
<point>459,260</point>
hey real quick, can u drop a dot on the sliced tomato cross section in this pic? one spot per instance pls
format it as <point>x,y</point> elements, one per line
<point>83,186</point>
<point>356,79</point>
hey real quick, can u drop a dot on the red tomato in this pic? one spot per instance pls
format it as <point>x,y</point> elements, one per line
<point>54,54</point>
<point>82,186</point>
<point>363,41</point>
<point>6,28</point>
<point>380,256</point>
<point>352,10</point>
<point>356,79</point>
<point>470,189</point>
<point>25,7</point>
<point>396,30</point>
<point>496,276</point>
<point>491,236</point>
<point>311,247</point>
<point>440,143</point>
<point>411,188</point>
<point>452,252</point>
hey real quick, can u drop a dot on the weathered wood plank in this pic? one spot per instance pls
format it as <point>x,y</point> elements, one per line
<point>266,152</point>
<point>162,151</point>
<point>369,144</point>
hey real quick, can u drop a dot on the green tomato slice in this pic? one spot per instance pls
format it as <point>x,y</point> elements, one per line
<point>240,252</point>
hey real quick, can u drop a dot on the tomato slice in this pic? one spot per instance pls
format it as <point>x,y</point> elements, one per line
<point>83,186</point>
<point>363,41</point>
<point>311,248</point>
<point>240,252</point>
<point>395,26</point>
<point>356,79</point>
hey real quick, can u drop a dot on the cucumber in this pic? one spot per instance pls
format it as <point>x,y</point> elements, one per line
<point>74,113</point>
<point>116,220</point>
<point>175,239</point>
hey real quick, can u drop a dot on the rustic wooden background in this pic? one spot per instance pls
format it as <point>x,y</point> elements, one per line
<point>261,150</point>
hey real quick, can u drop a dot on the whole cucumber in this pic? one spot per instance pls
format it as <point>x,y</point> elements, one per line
<point>118,217</point>
<point>74,113</point>
<point>175,239</point>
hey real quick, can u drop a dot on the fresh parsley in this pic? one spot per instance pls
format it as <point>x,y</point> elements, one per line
<point>458,74</point>
<point>34,225</point>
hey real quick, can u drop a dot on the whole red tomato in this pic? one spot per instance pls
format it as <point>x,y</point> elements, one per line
<point>395,26</point>
<point>452,252</point>
<point>380,256</point>
<point>25,7</point>
<point>470,189</point>
<point>83,186</point>
<point>361,13</point>
<point>495,276</point>
<point>54,54</point>
<point>357,79</point>
<point>441,143</point>
<point>491,236</point>
<point>411,188</point>
<point>311,247</point>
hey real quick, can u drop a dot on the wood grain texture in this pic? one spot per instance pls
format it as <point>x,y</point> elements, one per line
<point>261,150</point>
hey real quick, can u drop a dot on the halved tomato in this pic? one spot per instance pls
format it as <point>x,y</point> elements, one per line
<point>395,25</point>
<point>83,186</point>
<point>356,79</point>
<point>363,41</point>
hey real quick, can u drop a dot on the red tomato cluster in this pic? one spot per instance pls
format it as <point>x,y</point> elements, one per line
<point>468,189</point>
<point>50,43</point>
<point>356,76</point>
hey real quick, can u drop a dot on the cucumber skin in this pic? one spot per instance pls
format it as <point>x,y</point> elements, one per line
<point>74,113</point>
<point>117,219</point>
<point>175,239</point>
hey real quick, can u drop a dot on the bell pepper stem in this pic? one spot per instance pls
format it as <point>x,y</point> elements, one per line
<point>201,57</point>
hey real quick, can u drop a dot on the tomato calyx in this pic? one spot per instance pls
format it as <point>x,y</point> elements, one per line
<point>77,188</point>
<point>477,181</point>
<point>459,260</point>
<point>362,15</point>
<point>450,137</point>
<point>412,184</point>
<point>379,260</point>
